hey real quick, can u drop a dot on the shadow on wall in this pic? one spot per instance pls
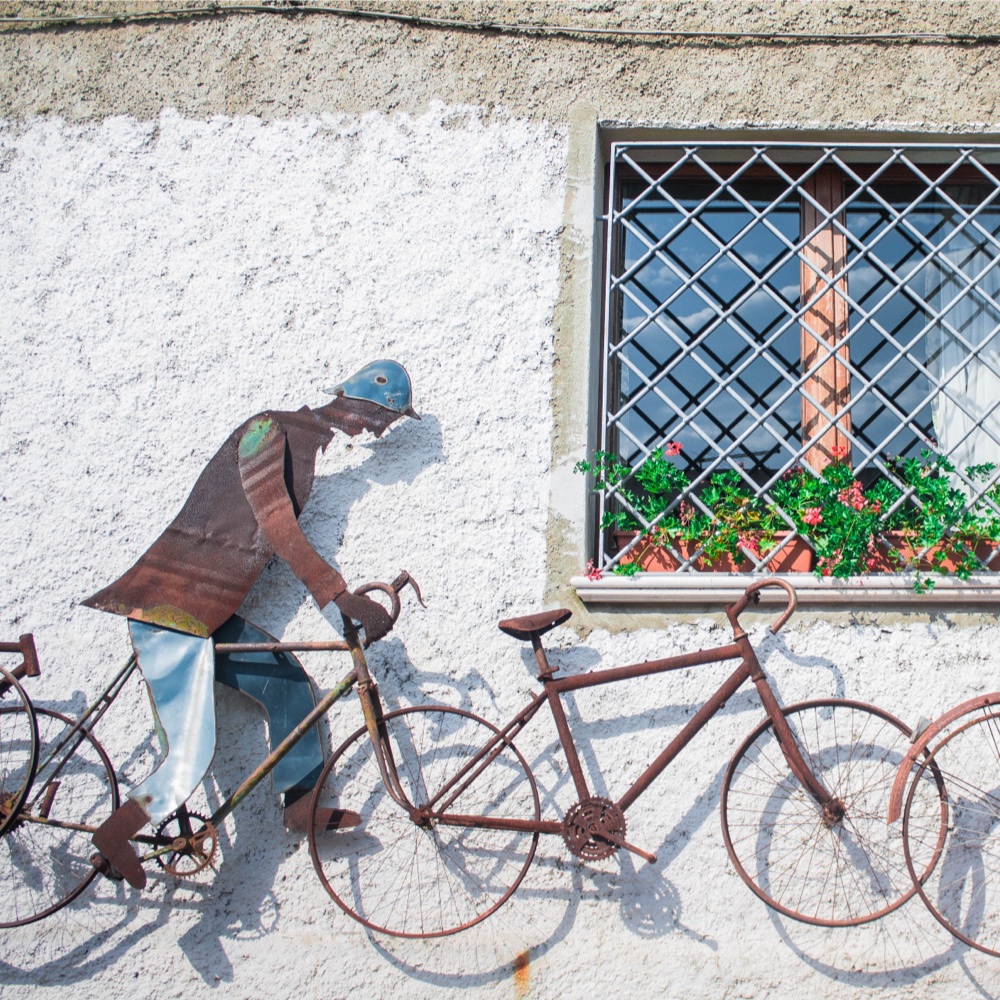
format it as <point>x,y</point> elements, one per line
<point>398,458</point>
<point>211,917</point>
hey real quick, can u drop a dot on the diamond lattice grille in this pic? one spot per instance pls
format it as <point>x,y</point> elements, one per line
<point>771,309</point>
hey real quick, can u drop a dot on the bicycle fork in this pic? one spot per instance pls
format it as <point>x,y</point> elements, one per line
<point>371,707</point>
<point>832,809</point>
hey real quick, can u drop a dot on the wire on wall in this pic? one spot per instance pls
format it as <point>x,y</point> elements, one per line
<point>499,27</point>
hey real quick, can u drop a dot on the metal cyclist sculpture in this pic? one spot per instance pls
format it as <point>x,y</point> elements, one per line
<point>183,590</point>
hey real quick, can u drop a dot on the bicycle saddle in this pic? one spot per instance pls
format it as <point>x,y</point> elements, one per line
<point>528,625</point>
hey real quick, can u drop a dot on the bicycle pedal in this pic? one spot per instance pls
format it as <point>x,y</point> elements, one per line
<point>105,867</point>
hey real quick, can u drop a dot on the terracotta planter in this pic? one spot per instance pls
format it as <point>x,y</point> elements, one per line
<point>795,557</point>
<point>899,542</point>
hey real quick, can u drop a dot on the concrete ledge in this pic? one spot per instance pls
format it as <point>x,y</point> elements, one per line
<point>667,589</point>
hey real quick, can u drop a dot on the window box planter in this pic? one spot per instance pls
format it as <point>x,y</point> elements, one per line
<point>898,552</point>
<point>853,530</point>
<point>795,556</point>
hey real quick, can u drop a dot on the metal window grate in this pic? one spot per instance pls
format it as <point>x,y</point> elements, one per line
<point>768,307</point>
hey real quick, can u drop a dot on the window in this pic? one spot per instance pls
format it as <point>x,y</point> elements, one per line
<point>773,313</point>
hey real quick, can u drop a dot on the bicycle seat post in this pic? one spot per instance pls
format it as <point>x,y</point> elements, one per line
<point>545,669</point>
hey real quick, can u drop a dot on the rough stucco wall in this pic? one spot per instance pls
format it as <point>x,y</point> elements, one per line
<point>314,64</point>
<point>203,219</point>
<point>166,279</point>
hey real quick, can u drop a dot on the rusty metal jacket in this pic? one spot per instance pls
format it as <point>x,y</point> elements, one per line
<point>243,509</point>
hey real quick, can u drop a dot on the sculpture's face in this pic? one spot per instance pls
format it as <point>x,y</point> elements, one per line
<point>352,416</point>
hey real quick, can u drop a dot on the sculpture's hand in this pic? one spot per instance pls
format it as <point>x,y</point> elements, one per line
<point>372,617</point>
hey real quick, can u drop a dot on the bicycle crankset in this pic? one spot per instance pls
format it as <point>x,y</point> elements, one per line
<point>195,841</point>
<point>594,828</point>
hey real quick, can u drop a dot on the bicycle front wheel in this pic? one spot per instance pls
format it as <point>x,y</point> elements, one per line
<point>964,890</point>
<point>419,878</point>
<point>837,866</point>
<point>18,750</point>
<point>45,854</point>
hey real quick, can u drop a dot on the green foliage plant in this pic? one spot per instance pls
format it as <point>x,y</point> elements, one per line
<point>660,495</point>
<point>940,527</point>
<point>916,518</point>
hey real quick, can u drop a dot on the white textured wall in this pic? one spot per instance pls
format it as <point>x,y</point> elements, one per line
<point>162,280</point>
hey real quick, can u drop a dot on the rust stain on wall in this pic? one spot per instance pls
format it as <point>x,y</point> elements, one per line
<point>522,974</point>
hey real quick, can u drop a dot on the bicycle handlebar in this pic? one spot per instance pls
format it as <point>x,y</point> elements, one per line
<point>392,589</point>
<point>332,645</point>
<point>752,593</point>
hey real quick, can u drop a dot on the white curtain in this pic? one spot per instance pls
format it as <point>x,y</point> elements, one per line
<point>966,413</point>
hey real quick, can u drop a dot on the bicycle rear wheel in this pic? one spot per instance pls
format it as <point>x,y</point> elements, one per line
<point>822,866</point>
<point>44,856</point>
<point>964,890</point>
<point>18,749</point>
<point>399,876</point>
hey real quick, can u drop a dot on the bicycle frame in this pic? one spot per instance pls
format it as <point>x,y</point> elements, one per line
<point>553,688</point>
<point>359,675</point>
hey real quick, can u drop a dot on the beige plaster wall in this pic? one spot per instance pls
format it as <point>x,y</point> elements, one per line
<point>275,66</point>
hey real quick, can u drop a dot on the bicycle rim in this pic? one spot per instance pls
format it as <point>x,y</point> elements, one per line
<point>44,863</point>
<point>963,892</point>
<point>18,752</point>
<point>821,869</point>
<point>419,881</point>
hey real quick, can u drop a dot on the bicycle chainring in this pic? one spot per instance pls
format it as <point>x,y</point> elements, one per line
<point>593,827</point>
<point>195,841</point>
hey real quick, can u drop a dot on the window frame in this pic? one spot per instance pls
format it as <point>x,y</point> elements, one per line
<point>937,158</point>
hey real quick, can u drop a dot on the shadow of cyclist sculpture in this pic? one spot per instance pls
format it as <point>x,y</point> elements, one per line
<point>183,592</point>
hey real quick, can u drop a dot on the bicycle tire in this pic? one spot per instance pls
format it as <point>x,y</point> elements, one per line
<point>963,892</point>
<point>45,864</point>
<point>18,751</point>
<point>400,878</point>
<point>813,867</point>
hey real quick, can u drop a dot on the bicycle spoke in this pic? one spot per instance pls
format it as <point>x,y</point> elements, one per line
<point>424,879</point>
<point>47,864</point>
<point>809,865</point>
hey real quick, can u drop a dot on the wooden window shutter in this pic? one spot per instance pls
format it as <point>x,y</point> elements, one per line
<point>826,392</point>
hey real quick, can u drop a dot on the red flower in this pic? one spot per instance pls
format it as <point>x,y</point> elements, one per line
<point>674,448</point>
<point>812,515</point>
<point>853,496</point>
<point>593,572</point>
<point>840,451</point>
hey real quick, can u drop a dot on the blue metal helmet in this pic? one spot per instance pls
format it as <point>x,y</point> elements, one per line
<point>383,382</point>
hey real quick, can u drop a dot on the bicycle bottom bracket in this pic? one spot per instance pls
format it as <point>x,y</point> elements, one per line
<point>594,828</point>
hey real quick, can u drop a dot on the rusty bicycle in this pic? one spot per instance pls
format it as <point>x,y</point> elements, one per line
<point>449,813</point>
<point>57,783</point>
<point>955,838</point>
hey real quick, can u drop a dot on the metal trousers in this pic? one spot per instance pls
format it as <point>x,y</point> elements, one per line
<point>180,671</point>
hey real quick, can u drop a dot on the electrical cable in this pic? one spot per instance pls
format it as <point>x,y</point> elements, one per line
<point>517,28</point>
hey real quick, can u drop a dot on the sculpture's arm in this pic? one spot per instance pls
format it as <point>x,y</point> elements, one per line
<point>262,471</point>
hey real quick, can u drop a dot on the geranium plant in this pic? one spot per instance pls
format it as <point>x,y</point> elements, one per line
<point>842,519</point>
<point>737,520</point>
<point>920,518</point>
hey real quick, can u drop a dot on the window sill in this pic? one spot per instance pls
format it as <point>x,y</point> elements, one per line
<point>667,589</point>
